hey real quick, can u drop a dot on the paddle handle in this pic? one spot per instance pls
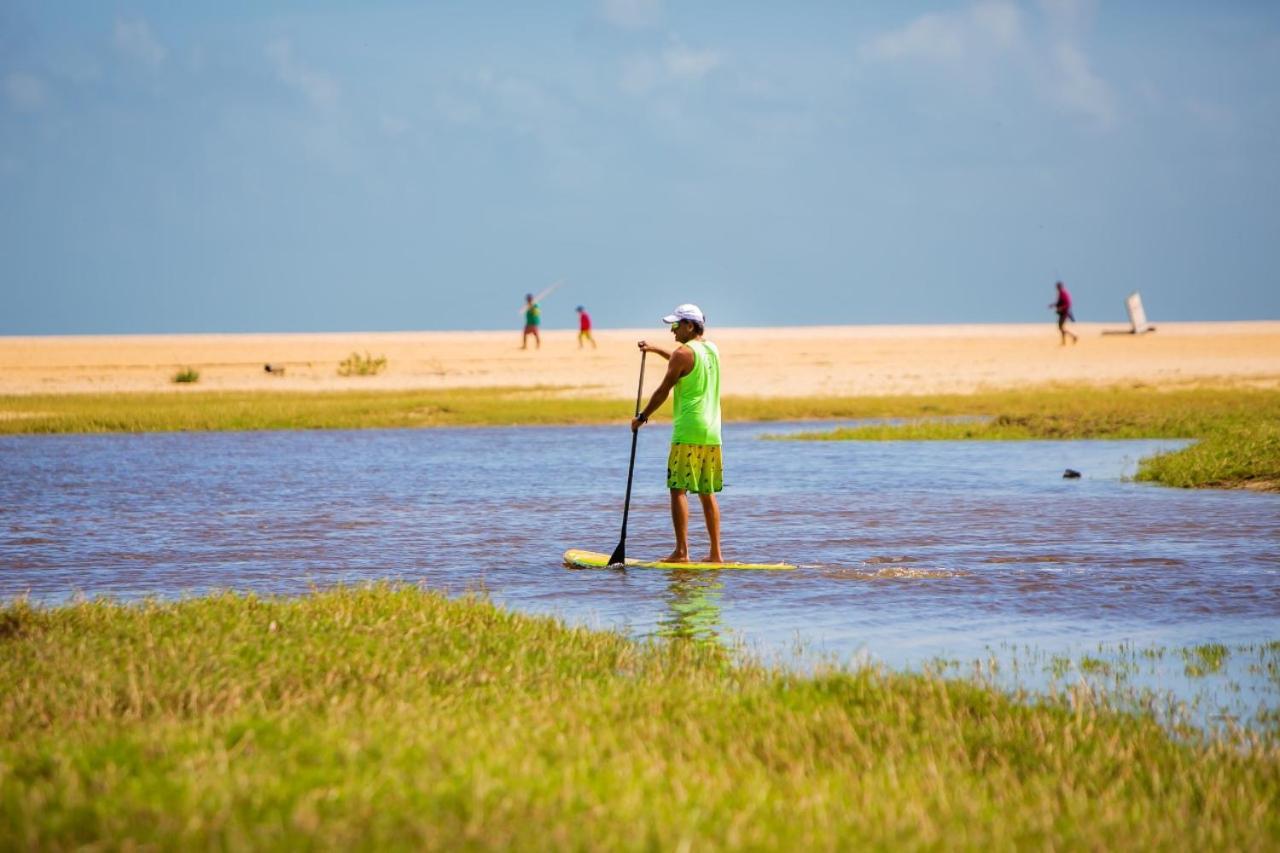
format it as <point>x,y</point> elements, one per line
<point>640,387</point>
<point>631,466</point>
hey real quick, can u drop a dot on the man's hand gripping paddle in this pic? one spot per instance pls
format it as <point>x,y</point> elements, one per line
<point>619,558</point>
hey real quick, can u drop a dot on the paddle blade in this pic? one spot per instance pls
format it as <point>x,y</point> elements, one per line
<point>619,557</point>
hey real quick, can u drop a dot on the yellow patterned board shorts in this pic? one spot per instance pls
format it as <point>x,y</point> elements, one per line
<point>697,468</point>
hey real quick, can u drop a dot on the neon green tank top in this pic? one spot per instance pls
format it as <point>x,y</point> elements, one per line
<point>696,401</point>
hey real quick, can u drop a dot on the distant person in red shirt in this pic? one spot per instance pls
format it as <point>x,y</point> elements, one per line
<point>1063,307</point>
<point>584,327</point>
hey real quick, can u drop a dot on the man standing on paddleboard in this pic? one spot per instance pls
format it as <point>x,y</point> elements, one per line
<point>695,463</point>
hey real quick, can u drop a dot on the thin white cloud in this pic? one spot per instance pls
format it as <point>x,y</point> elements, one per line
<point>318,88</point>
<point>998,23</point>
<point>507,103</point>
<point>1211,114</point>
<point>632,14</point>
<point>952,37</point>
<point>525,106</point>
<point>931,37</point>
<point>685,63</point>
<point>523,97</point>
<point>992,36</point>
<point>1078,88</point>
<point>134,39</point>
<point>640,75</point>
<point>678,63</point>
<point>455,108</point>
<point>25,91</point>
<point>1069,15</point>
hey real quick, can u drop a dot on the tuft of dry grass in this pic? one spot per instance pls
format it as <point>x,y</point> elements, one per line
<point>362,365</point>
<point>389,716</point>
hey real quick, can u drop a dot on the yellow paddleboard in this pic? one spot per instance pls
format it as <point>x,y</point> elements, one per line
<point>578,559</point>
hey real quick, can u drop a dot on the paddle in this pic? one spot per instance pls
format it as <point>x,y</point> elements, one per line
<point>542,295</point>
<point>619,557</point>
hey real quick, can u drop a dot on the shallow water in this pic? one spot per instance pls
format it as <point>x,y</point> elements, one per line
<point>910,550</point>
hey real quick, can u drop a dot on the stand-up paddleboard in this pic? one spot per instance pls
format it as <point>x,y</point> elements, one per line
<point>575,558</point>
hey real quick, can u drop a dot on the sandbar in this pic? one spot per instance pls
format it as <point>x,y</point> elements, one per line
<point>789,361</point>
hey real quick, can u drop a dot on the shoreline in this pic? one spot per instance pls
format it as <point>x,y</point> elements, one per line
<point>1236,426</point>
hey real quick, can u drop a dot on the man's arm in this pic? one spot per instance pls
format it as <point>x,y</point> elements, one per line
<point>679,363</point>
<point>645,346</point>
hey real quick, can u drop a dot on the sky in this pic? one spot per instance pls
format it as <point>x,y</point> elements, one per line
<point>331,166</point>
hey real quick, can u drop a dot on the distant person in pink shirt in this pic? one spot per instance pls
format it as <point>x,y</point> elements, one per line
<point>584,327</point>
<point>1063,307</point>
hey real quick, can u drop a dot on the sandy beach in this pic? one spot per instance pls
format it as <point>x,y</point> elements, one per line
<point>795,361</point>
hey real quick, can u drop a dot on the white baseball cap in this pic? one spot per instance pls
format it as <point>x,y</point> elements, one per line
<point>688,311</point>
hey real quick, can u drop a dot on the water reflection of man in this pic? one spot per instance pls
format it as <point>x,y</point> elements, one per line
<point>693,608</point>
<point>695,463</point>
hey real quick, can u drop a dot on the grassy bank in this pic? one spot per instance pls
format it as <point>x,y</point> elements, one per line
<point>389,716</point>
<point>1045,412</point>
<point>1239,428</point>
<point>270,410</point>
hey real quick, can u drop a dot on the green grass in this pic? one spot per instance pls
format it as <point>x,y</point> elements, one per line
<point>268,410</point>
<point>1238,428</point>
<point>186,376</point>
<point>389,716</point>
<point>1202,660</point>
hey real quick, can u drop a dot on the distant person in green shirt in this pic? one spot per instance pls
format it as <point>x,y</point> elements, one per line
<point>695,463</point>
<point>532,320</point>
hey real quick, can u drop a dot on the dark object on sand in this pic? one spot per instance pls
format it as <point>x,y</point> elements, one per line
<point>274,369</point>
<point>1071,474</point>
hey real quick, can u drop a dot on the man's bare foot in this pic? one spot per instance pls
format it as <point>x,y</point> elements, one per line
<point>714,557</point>
<point>676,557</point>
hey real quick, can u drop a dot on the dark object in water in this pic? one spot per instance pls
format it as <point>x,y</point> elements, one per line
<point>274,369</point>
<point>1071,474</point>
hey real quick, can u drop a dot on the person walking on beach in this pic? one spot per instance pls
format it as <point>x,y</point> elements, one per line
<point>1063,307</point>
<point>584,327</point>
<point>695,463</point>
<point>532,320</point>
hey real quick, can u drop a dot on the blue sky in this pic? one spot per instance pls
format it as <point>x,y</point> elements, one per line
<point>244,166</point>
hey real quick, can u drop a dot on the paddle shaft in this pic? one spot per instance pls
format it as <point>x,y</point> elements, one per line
<point>620,553</point>
<point>543,295</point>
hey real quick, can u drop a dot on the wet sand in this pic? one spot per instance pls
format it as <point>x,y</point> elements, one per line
<point>794,361</point>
